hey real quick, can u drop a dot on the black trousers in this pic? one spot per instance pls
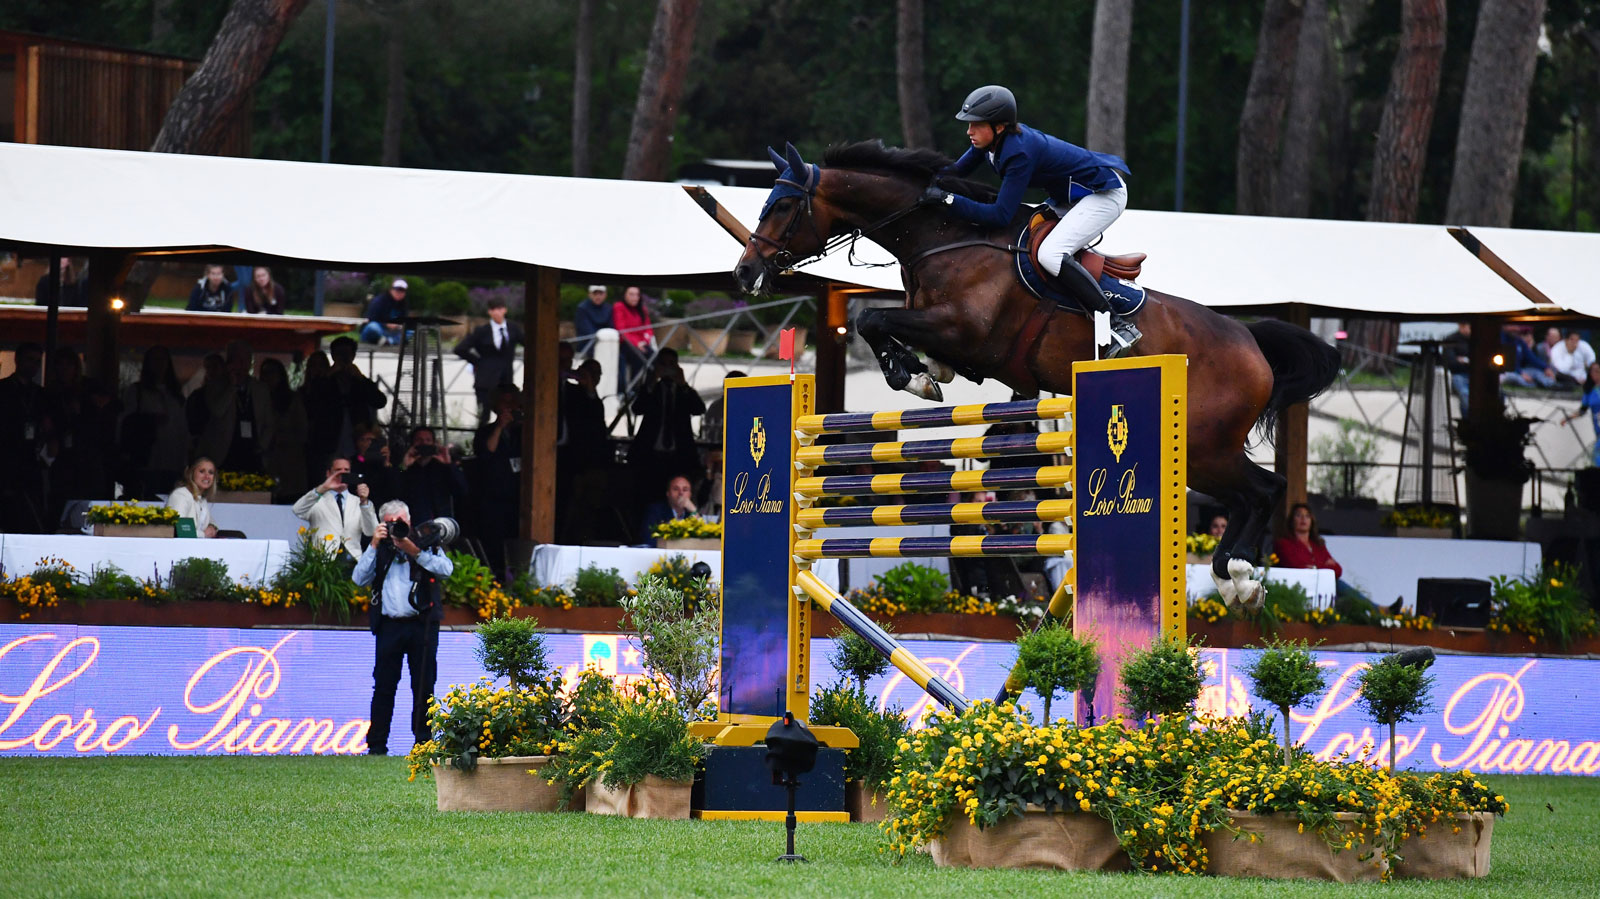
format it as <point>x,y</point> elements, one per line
<point>417,642</point>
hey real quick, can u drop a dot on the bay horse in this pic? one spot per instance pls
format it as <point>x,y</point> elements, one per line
<point>967,309</point>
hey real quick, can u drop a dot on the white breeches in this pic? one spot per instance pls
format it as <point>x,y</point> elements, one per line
<point>1080,225</point>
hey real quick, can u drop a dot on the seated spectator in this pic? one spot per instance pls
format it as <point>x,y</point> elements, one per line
<point>430,482</point>
<point>1457,352</point>
<point>191,498</point>
<point>1218,526</point>
<point>1552,336</point>
<point>1571,358</point>
<point>330,509</point>
<point>74,286</point>
<point>1526,368</point>
<point>384,318</point>
<point>637,339</point>
<point>1591,404</point>
<point>590,317</point>
<point>264,296</point>
<point>211,293</point>
<point>679,504</point>
<point>1305,548</point>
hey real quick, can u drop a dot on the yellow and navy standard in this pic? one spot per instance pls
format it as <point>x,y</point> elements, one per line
<point>935,417</point>
<point>947,448</point>
<point>936,547</point>
<point>937,513</point>
<point>1047,476</point>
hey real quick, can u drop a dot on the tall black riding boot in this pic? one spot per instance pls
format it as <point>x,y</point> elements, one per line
<point>1087,291</point>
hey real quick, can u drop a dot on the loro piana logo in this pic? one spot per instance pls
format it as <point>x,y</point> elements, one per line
<point>758,440</point>
<point>1117,432</point>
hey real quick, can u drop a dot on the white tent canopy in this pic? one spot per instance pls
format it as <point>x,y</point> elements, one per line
<point>1565,265</point>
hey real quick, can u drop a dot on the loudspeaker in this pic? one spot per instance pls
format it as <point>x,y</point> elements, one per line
<point>1454,601</point>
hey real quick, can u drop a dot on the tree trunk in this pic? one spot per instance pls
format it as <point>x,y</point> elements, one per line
<point>915,126</point>
<point>1391,747</point>
<point>1288,741</point>
<point>394,106</point>
<point>1106,131</point>
<point>1047,709</point>
<point>1344,58</point>
<point>1402,149</point>
<point>1494,112</point>
<point>582,84</point>
<point>1261,122</point>
<point>660,88</point>
<point>201,114</point>
<point>1303,125</point>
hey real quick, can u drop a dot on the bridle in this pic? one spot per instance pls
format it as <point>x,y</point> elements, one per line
<point>783,259</point>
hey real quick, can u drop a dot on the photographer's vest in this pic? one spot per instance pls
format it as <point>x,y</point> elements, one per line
<point>426,592</point>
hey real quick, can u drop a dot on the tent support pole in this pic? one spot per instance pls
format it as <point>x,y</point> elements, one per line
<point>541,384</point>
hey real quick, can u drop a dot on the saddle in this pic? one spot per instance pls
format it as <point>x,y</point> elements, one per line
<point>1125,267</point>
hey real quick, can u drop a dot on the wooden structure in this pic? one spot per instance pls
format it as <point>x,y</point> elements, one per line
<point>75,94</point>
<point>178,330</point>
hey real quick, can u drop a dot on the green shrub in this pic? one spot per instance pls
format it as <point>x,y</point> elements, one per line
<point>1393,693</point>
<point>1053,658</point>
<point>110,582</point>
<point>642,735</point>
<point>449,298</point>
<point>596,586</point>
<point>847,705</point>
<point>467,577</point>
<point>1286,674</point>
<point>919,588</point>
<point>1549,604</point>
<point>1164,679</point>
<point>322,579</point>
<point>514,649</point>
<point>202,580</point>
<point>853,657</point>
<point>680,647</point>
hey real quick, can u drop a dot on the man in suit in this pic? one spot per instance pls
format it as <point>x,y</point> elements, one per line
<point>332,511</point>
<point>491,349</point>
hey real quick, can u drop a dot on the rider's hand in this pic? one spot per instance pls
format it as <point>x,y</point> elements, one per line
<point>934,195</point>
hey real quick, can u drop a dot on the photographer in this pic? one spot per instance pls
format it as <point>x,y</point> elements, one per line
<point>405,613</point>
<point>430,482</point>
<point>330,508</point>
<point>497,476</point>
<point>664,444</point>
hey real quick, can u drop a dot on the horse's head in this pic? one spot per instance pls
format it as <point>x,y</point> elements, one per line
<point>792,226</point>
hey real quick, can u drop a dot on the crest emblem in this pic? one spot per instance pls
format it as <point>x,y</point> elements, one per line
<point>1117,432</point>
<point>758,440</point>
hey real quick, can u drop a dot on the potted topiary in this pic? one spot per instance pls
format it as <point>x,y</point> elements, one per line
<point>1052,658</point>
<point>1452,817</point>
<point>679,639</point>
<point>1161,680</point>
<point>634,757</point>
<point>1395,690</point>
<point>1285,674</point>
<point>847,704</point>
<point>489,743</point>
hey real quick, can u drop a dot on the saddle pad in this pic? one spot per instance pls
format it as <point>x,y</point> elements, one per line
<point>1125,296</point>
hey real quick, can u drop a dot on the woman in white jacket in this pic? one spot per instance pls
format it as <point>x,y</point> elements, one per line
<point>192,497</point>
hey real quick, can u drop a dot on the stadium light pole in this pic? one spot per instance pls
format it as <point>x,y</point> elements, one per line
<point>327,124</point>
<point>1183,103</point>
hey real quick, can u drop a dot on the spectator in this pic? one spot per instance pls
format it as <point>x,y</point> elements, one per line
<point>637,339</point>
<point>498,470</point>
<point>1552,336</point>
<point>330,509</point>
<point>341,403</point>
<point>711,422</point>
<point>492,350</point>
<point>1526,368</point>
<point>74,286</point>
<point>22,419</point>
<point>582,451</point>
<point>1305,548</point>
<point>664,443</point>
<point>1218,526</point>
<point>386,315</point>
<point>590,317</point>
<point>192,496</point>
<point>430,482</point>
<point>370,463</point>
<point>1591,404</point>
<point>1571,358</point>
<point>213,371</point>
<point>1457,351</point>
<point>404,616</point>
<point>285,458</point>
<point>153,434</point>
<point>678,504</point>
<point>264,296</point>
<point>239,421</point>
<point>211,293</point>
<point>708,493</point>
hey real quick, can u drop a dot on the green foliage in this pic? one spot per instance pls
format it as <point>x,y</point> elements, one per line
<point>320,578</point>
<point>1353,444</point>
<point>592,701</point>
<point>1164,679</point>
<point>1052,658</point>
<point>680,645</point>
<point>202,580</point>
<point>1286,674</point>
<point>847,705</point>
<point>1394,693</point>
<point>596,586</point>
<point>1420,517</point>
<point>853,657</point>
<point>469,723</point>
<point>468,577</point>
<point>640,735</point>
<point>514,649</point>
<point>449,298</point>
<point>918,588</point>
<point>1547,605</point>
<point>110,582</point>
<point>674,571</point>
<point>527,591</point>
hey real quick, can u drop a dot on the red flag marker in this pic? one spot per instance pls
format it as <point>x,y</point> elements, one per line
<point>786,347</point>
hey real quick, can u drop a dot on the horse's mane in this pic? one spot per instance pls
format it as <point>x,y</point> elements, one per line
<point>918,164</point>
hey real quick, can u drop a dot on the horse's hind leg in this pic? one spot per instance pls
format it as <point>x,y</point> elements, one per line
<point>1257,492</point>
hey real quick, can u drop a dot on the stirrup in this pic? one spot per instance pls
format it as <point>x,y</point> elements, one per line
<point>1124,334</point>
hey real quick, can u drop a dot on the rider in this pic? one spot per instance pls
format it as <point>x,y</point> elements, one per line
<point>1086,189</point>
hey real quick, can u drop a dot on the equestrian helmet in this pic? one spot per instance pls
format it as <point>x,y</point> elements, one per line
<point>991,103</point>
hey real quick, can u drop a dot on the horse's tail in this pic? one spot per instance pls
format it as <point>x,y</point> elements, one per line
<point>1303,365</point>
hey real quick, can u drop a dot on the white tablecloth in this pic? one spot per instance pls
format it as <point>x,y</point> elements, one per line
<point>1319,584</point>
<point>555,564</point>
<point>142,557</point>
<point>1387,568</point>
<point>258,521</point>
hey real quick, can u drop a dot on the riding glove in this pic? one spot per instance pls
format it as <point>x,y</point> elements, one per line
<point>934,195</point>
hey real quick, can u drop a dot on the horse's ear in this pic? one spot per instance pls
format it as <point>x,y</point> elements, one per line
<point>778,162</point>
<point>792,156</point>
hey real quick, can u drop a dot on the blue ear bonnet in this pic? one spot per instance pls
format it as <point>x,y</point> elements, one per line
<point>796,178</point>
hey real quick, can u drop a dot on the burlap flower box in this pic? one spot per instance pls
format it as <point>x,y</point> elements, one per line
<point>1068,841</point>
<point>864,805</point>
<point>653,797</point>
<point>1451,848</point>
<point>258,497</point>
<point>1282,851</point>
<point>499,785</point>
<point>713,544</point>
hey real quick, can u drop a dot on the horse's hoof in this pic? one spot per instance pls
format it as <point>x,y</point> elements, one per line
<point>942,373</point>
<point>1229,593</point>
<point>1252,595</point>
<point>1240,569</point>
<point>924,386</point>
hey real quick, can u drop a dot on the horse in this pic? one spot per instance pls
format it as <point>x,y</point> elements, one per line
<point>970,313</point>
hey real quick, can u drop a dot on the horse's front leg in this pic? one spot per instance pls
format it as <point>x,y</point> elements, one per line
<point>899,363</point>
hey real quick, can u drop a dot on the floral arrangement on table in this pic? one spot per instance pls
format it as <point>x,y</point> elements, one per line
<point>676,571</point>
<point>1547,604</point>
<point>1200,544</point>
<point>1420,517</point>
<point>692,528</point>
<point>131,514</point>
<point>245,482</point>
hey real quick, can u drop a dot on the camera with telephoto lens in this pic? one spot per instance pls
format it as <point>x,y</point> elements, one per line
<point>428,534</point>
